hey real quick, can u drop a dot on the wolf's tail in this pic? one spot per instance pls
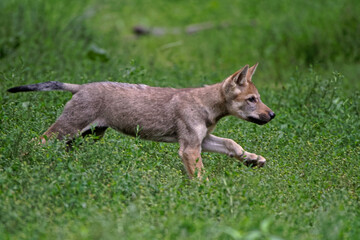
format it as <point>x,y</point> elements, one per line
<point>47,86</point>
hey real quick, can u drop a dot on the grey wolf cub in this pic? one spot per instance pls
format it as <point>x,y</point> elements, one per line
<point>187,116</point>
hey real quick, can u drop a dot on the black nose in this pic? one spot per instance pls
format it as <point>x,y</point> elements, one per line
<point>272,115</point>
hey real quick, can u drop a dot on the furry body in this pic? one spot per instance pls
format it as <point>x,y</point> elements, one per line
<point>187,116</point>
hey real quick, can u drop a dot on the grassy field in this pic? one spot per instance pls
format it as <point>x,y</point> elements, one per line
<point>126,188</point>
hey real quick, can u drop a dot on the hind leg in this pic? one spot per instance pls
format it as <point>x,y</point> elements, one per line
<point>79,113</point>
<point>61,129</point>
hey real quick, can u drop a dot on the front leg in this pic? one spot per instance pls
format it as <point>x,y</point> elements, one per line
<point>191,157</point>
<point>216,144</point>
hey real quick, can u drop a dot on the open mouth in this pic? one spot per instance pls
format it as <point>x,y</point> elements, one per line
<point>256,120</point>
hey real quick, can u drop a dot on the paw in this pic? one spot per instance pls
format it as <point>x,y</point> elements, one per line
<point>253,160</point>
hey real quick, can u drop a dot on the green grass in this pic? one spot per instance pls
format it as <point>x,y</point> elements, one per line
<point>122,187</point>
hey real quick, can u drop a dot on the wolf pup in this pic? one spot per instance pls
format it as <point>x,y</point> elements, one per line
<point>187,116</point>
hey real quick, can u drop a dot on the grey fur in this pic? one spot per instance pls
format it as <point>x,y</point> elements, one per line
<point>128,85</point>
<point>46,86</point>
<point>187,116</point>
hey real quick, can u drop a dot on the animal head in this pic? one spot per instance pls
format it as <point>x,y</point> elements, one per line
<point>243,99</point>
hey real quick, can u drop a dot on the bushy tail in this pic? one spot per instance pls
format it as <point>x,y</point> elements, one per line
<point>47,86</point>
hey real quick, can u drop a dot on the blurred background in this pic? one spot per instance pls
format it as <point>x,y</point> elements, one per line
<point>178,43</point>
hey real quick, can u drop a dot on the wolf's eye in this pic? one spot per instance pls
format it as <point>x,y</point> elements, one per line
<point>252,99</point>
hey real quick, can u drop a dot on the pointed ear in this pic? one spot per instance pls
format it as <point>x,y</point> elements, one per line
<point>240,76</point>
<point>251,72</point>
